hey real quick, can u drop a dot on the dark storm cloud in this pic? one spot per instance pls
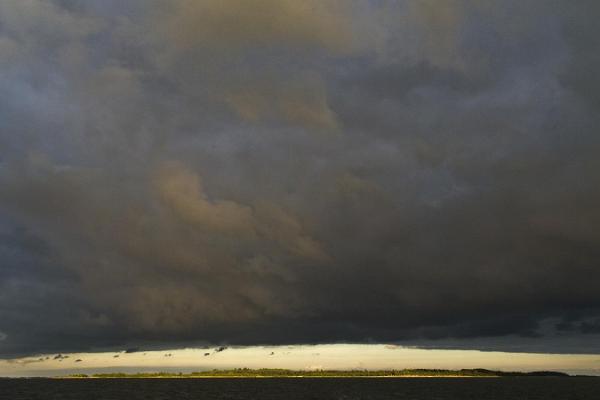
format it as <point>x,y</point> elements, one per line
<point>281,172</point>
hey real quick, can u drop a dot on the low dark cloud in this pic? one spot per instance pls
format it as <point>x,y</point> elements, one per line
<point>214,172</point>
<point>132,350</point>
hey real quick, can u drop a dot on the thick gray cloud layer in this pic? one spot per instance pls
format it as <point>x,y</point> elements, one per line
<point>279,171</point>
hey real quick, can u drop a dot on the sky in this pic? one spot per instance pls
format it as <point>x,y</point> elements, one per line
<point>296,357</point>
<point>185,173</point>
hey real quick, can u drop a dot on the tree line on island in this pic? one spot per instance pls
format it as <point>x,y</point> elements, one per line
<point>287,373</point>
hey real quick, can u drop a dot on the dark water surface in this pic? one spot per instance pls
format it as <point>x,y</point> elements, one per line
<point>546,388</point>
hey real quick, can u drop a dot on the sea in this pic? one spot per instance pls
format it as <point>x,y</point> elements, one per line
<point>542,388</point>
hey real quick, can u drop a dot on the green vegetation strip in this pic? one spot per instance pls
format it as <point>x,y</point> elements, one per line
<point>286,373</point>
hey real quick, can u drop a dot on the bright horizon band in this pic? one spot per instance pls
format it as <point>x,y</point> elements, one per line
<point>298,357</point>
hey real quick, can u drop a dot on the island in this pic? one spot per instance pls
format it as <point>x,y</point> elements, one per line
<point>287,373</point>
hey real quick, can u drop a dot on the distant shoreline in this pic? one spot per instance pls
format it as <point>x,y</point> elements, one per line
<point>277,377</point>
<point>295,374</point>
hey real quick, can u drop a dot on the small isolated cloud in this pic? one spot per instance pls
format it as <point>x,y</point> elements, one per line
<point>132,350</point>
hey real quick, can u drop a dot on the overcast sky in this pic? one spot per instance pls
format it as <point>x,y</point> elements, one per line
<point>190,172</point>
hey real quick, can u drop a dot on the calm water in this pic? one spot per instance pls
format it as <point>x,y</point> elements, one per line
<point>290,389</point>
